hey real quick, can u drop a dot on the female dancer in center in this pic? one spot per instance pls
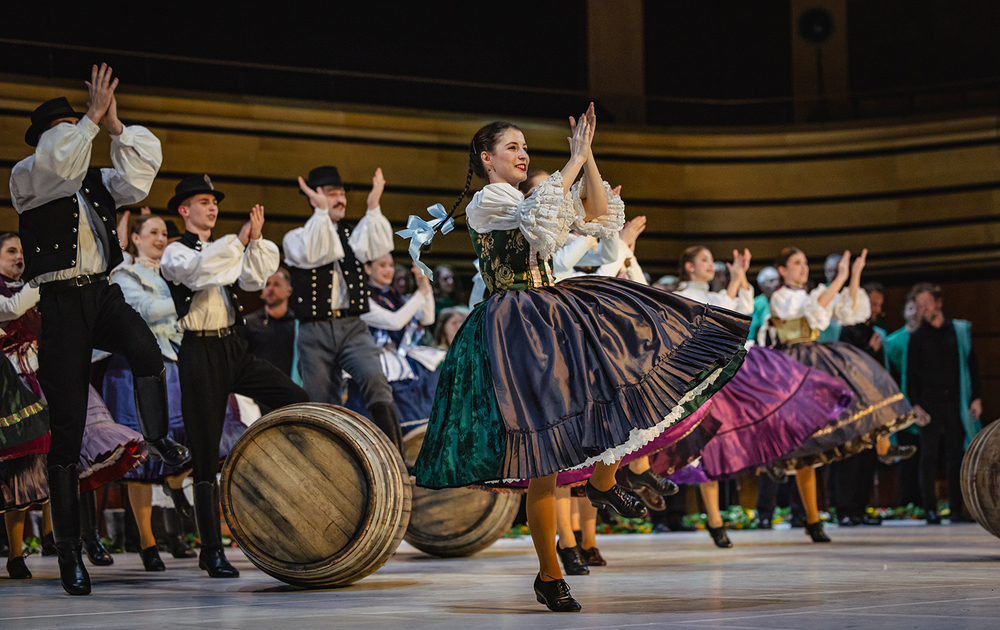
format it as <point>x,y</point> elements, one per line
<point>543,377</point>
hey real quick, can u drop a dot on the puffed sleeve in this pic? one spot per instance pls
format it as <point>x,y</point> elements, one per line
<point>18,304</point>
<point>57,168</point>
<point>260,261</point>
<point>606,226</point>
<point>789,304</point>
<point>847,312</point>
<point>315,244</point>
<point>372,236</point>
<point>546,216</point>
<point>381,317</point>
<point>151,307</point>
<point>744,301</point>
<point>136,156</point>
<point>218,264</point>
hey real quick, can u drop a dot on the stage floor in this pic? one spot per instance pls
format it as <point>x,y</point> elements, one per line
<point>902,575</point>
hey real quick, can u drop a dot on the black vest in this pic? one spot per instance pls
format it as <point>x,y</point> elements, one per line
<point>49,232</point>
<point>182,295</point>
<point>312,289</point>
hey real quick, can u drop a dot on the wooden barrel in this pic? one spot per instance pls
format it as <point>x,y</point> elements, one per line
<point>456,521</point>
<point>981,478</point>
<point>316,495</point>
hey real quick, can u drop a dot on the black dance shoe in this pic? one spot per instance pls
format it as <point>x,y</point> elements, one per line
<point>168,451</point>
<point>572,560</point>
<point>897,454</point>
<point>933,518</point>
<point>96,551</point>
<point>73,575</point>
<point>17,570</point>
<point>151,559</point>
<point>180,500</point>
<point>869,520</point>
<point>652,500</point>
<point>848,521</point>
<point>797,521</point>
<point>178,547</point>
<point>555,595</point>
<point>48,545</point>
<point>617,499</point>
<point>649,479</point>
<point>593,557</point>
<point>960,517</point>
<point>764,523</point>
<point>214,561</point>
<point>719,537</point>
<point>815,531</point>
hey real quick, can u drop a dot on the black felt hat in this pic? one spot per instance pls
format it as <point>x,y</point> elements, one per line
<point>191,186</point>
<point>324,176</point>
<point>43,116</point>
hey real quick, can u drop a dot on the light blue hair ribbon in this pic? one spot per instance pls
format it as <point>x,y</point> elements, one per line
<point>421,232</point>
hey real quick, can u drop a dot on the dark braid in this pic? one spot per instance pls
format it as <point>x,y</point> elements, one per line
<point>486,139</point>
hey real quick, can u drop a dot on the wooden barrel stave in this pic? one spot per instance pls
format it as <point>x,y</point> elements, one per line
<point>981,478</point>
<point>456,522</point>
<point>316,496</point>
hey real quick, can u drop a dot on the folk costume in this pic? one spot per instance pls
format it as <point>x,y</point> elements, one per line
<point>213,361</point>
<point>329,294</point>
<point>67,215</point>
<point>546,377</point>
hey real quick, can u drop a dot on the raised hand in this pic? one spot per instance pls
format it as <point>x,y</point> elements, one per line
<point>844,266</point>
<point>111,121</point>
<point>859,263</point>
<point>617,190</point>
<point>316,198</point>
<point>256,222</point>
<point>123,228</point>
<point>632,230</point>
<point>145,210</point>
<point>378,185</point>
<point>102,93</point>
<point>580,141</point>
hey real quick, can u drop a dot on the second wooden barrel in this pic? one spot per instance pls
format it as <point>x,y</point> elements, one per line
<point>981,478</point>
<point>316,495</point>
<point>456,521</point>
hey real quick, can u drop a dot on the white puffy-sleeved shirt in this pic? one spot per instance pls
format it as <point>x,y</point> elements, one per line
<point>788,303</point>
<point>208,272</point>
<point>18,304</point>
<point>545,218</point>
<point>317,244</point>
<point>57,168</point>
<point>699,292</point>
<point>417,305</point>
<point>148,293</point>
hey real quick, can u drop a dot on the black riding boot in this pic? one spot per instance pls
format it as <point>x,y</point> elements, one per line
<point>206,511</point>
<point>174,535</point>
<point>152,411</point>
<point>96,551</point>
<point>64,497</point>
<point>385,418</point>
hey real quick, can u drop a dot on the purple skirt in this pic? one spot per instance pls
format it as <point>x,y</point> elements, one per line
<point>109,450</point>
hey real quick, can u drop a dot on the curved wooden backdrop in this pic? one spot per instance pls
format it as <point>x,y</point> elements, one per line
<point>923,196</point>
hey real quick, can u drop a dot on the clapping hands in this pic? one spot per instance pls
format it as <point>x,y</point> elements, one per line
<point>102,108</point>
<point>252,229</point>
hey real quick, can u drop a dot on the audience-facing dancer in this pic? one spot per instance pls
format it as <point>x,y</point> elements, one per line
<point>942,379</point>
<point>536,381</point>
<point>67,215</point>
<point>213,361</point>
<point>326,258</point>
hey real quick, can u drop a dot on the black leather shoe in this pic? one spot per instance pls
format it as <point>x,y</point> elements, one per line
<point>206,510</point>
<point>48,545</point>
<point>764,523</point>
<point>151,559</point>
<point>847,521</point>
<point>593,557</point>
<point>719,537</point>
<point>649,479</point>
<point>96,551</point>
<point>617,499</point>
<point>64,499</point>
<point>17,570</point>
<point>214,561</point>
<point>572,561</point>
<point>174,537</point>
<point>897,454</point>
<point>180,500</point>
<point>151,411</point>
<point>555,595</point>
<point>960,517</point>
<point>798,521</point>
<point>815,531</point>
<point>932,518</point>
<point>870,520</point>
<point>73,575</point>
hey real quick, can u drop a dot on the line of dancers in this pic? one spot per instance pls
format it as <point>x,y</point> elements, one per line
<point>557,378</point>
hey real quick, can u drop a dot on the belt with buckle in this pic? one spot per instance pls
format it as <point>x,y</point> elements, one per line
<point>78,281</point>
<point>215,332</point>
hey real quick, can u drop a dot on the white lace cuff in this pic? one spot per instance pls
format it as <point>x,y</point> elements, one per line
<point>603,227</point>
<point>546,216</point>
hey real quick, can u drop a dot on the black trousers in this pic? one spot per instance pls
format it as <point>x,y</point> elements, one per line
<point>855,482</point>
<point>210,368</point>
<point>908,471</point>
<point>946,432</point>
<point>75,320</point>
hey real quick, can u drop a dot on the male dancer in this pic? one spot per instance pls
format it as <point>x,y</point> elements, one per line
<point>330,292</point>
<point>67,223</point>
<point>212,360</point>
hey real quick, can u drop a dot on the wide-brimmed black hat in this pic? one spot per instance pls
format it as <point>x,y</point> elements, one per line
<point>324,176</point>
<point>191,186</point>
<point>43,116</point>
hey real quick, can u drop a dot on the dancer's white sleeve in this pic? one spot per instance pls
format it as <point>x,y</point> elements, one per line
<point>218,264</point>
<point>380,317</point>
<point>57,168</point>
<point>849,313</point>
<point>260,260</point>
<point>136,155</point>
<point>790,304</point>
<point>606,226</point>
<point>315,244</point>
<point>372,236</point>
<point>18,304</point>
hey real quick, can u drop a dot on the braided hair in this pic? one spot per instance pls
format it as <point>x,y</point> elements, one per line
<point>486,139</point>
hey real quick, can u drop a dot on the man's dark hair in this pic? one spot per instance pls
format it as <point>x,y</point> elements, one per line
<point>930,287</point>
<point>873,287</point>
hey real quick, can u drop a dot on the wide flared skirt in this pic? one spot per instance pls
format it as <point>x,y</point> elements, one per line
<point>413,397</point>
<point>555,378</point>
<point>879,408</point>
<point>109,449</point>
<point>24,418</point>
<point>23,482</point>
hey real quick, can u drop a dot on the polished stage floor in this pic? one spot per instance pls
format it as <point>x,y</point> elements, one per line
<point>903,575</point>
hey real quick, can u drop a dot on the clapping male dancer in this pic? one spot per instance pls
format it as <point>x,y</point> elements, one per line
<point>67,223</point>
<point>213,361</point>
